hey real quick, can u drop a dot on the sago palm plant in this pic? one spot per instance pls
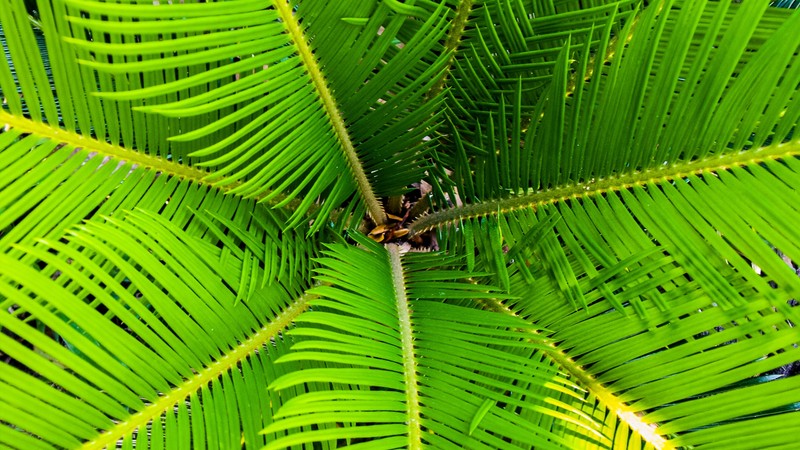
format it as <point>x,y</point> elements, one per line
<point>482,224</point>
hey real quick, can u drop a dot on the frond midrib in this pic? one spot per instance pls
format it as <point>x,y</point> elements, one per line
<point>105,149</point>
<point>601,186</point>
<point>219,367</point>
<point>407,341</point>
<point>120,154</point>
<point>452,42</point>
<point>374,207</point>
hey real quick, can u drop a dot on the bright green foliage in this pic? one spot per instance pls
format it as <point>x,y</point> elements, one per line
<point>610,252</point>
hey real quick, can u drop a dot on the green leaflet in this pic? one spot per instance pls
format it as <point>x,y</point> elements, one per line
<point>481,413</point>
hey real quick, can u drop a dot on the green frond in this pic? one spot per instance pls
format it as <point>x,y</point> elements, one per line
<point>714,306</point>
<point>53,185</point>
<point>424,369</point>
<point>136,320</point>
<point>287,105</point>
<point>179,294</point>
<point>693,279</point>
<point>718,101</point>
<point>513,41</point>
<point>665,224</point>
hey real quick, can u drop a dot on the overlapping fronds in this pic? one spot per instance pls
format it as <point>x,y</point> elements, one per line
<point>723,85</point>
<point>677,315</point>
<point>54,184</point>
<point>666,226</point>
<point>511,43</point>
<point>130,321</point>
<point>157,296</point>
<point>185,188</point>
<point>688,312</point>
<point>316,100</point>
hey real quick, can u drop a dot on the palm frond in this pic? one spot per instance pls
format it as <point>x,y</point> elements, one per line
<point>671,223</point>
<point>562,141</point>
<point>509,43</point>
<point>277,90</point>
<point>55,184</point>
<point>705,322</point>
<point>163,296</point>
<point>428,372</point>
<point>134,320</point>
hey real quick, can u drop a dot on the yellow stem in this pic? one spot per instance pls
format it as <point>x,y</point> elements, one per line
<point>451,44</point>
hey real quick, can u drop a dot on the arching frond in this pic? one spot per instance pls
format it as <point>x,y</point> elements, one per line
<point>136,321</point>
<point>310,94</point>
<point>733,92</point>
<point>664,226</point>
<point>683,327</point>
<point>429,373</point>
<point>133,319</point>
